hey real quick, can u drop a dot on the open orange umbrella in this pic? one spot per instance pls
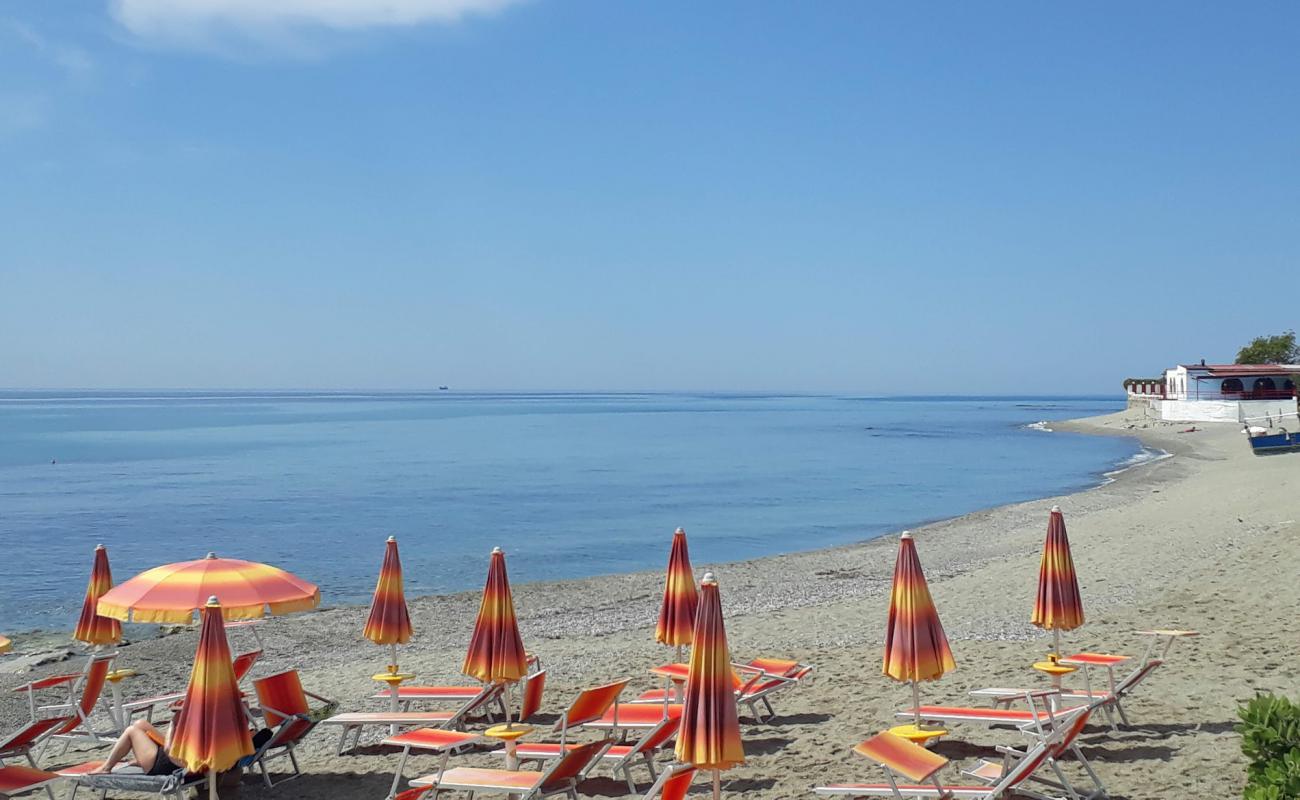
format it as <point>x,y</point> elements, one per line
<point>916,648</point>
<point>389,622</point>
<point>677,612</point>
<point>496,651</point>
<point>709,737</point>
<point>1058,606</point>
<point>175,592</point>
<point>91,627</point>
<point>210,734</point>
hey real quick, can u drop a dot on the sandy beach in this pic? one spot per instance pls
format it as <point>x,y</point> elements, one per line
<point>1205,539</point>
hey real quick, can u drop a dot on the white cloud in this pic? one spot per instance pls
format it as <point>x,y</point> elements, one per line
<point>195,21</point>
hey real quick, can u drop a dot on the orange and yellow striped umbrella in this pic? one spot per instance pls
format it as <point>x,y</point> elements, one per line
<point>175,592</point>
<point>916,648</point>
<point>677,613</point>
<point>389,622</point>
<point>496,652</point>
<point>5,644</point>
<point>210,733</point>
<point>91,627</point>
<point>709,737</point>
<point>1058,606</point>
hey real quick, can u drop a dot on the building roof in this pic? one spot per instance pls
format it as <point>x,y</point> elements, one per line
<point>1244,370</point>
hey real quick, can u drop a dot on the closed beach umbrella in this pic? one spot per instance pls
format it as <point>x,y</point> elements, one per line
<point>174,593</point>
<point>389,622</point>
<point>91,627</point>
<point>5,644</point>
<point>211,731</point>
<point>1058,606</point>
<point>709,737</point>
<point>496,653</point>
<point>916,648</point>
<point>677,612</point>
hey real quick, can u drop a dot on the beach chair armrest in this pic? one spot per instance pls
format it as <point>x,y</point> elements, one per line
<point>46,683</point>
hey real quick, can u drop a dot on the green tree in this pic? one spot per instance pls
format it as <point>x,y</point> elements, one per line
<point>1280,349</point>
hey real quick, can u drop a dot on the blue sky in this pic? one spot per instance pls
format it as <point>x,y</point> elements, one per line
<point>558,194</point>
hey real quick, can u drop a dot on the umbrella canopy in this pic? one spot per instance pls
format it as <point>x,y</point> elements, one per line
<point>1058,606</point>
<point>677,612</point>
<point>916,648</point>
<point>175,592</point>
<point>496,653</point>
<point>91,627</point>
<point>389,621</point>
<point>211,731</point>
<point>709,737</point>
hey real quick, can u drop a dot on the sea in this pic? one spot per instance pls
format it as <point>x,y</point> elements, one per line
<point>569,485</point>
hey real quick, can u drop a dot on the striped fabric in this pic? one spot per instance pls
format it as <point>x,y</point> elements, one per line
<point>389,621</point>
<point>91,627</point>
<point>1058,605</point>
<point>210,733</point>
<point>709,737</point>
<point>174,592</point>
<point>916,648</point>
<point>496,652</point>
<point>677,612</point>
<point>5,644</point>
<point>907,759</point>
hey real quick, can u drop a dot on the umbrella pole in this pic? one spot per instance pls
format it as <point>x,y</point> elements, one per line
<point>1056,642</point>
<point>717,784</point>
<point>916,704</point>
<point>392,651</point>
<point>212,784</point>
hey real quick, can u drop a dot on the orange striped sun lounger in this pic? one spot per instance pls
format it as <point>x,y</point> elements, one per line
<point>287,712</point>
<point>672,784</point>
<point>16,780</point>
<point>992,771</point>
<point>353,722</point>
<point>130,778</point>
<point>911,772</point>
<point>755,683</point>
<point>406,695</point>
<point>431,740</point>
<point>561,778</point>
<point>84,693</point>
<point>1117,690</point>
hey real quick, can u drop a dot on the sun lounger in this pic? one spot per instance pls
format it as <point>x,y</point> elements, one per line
<point>22,741</point>
<point>561,778</point>
<point>16,780</point>
<point>917,768</point>
<point>620,758</point>
<point>407,695</point>
<point>1067,744</point>
<point>353,722</point>
<point>130,778</point>
<point>1043,713</point>
<point>431,740</point>
<point>287,712</point>
<point>1116,691</point>
<point>84,690</point>
<point>755,683</point>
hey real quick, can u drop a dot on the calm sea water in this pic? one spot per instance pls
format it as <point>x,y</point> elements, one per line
<point>569,485</point>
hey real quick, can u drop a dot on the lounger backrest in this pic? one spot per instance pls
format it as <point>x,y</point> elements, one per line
<point>672,785</point>
<point>244,662</point>
<point>23,739</point>
<point>659,735</point>
<point>1137,676</point>
<point>564,772</point>
<point>1072,731</point>
<point>92,686</point>
<point>489,692</point>
<point>534,683</point>
<point>1022,769</point>
<point>282,699</point>
<point>591,704</point>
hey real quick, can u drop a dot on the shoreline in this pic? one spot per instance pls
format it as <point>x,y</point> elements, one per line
<point>1179,543</point>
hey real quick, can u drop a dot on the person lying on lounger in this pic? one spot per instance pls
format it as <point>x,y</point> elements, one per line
<point>146,746</point>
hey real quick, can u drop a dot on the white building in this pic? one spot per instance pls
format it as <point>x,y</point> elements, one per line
<point>1218,392</point>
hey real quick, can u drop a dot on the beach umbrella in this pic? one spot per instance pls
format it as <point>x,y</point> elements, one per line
<point>709,736</point>
<point>91,627</point>
<point>496,652</point>
<point>210,733</point>
<point>389,622</point>
<point>916,648</point>
<point>677,612</point>
<point>1058,606</point>
<point>174,593</point>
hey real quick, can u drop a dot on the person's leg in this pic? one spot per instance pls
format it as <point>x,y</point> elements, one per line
<point>136,740</point>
